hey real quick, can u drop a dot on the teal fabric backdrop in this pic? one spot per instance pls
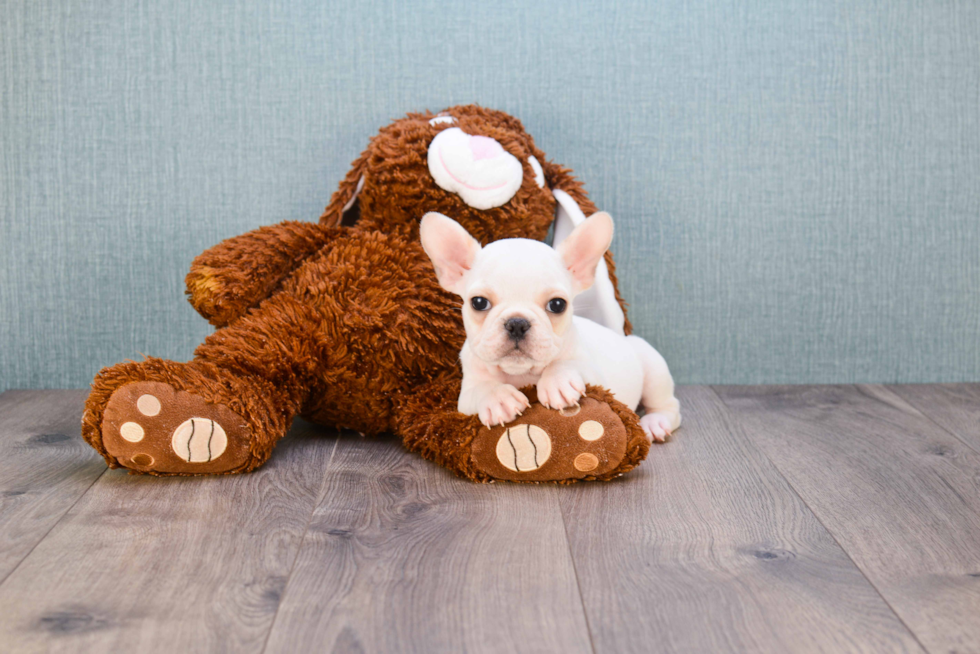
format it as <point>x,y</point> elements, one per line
<point>796,183</point>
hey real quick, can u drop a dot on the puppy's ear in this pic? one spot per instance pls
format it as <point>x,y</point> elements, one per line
<point>582,250</point>
<point>450,247</point>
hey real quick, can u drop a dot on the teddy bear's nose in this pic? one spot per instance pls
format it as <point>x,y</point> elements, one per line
<point>483,147</point>
<point>517,328</point>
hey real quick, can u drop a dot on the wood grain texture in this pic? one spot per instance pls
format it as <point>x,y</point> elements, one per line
<point>168,564</point>
<point>954,407</point>
<point>402,556</point>
<point>45,466</point>
<point>757,529</point>
<point>900,494</point>
<point>706,548</point>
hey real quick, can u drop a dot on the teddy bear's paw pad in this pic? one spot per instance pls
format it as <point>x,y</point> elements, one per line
<point>587,440</point>
<point>153,427</point>
<point>199,440</point>
<point>523,448</point>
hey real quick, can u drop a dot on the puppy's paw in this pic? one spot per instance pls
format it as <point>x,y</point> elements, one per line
<point>657,426</point>
<point>501,405</point>
<point>560,388</point>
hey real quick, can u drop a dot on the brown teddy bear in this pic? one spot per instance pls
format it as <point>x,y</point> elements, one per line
<point>342,322</point>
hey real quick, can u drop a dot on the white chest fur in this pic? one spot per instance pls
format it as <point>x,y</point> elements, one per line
<point>604,358</point>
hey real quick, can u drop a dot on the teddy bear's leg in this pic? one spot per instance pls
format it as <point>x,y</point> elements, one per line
<point>598,440</point>
<point>163,417</point>
<point>222,412</point>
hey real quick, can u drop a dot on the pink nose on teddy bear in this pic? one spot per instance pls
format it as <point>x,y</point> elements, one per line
<point>484,147</point>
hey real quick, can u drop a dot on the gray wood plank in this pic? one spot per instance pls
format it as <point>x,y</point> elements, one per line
<point>168,564</point>
<point>45,466</point>
<point>954,407</point>
<point>900,494</point>
<point>706,548</point>
<point>403,556</point>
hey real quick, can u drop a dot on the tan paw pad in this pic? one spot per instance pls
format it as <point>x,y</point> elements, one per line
<point>523,448</point>
<point>132,432</point>
<point>199,440</point>
<point>144,460</point>
<point>590,430</point>
<point>586,462</point>
<point>148,405</point>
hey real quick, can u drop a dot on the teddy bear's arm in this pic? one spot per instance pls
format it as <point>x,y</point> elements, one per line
<point>238,273</point>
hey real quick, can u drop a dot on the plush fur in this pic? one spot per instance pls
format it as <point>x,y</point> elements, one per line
<point>343,322</point>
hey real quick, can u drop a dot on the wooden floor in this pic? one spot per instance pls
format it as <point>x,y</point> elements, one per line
<point>780,519</point>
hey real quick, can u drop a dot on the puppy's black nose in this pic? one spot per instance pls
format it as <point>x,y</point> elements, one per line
<point>517,328</point>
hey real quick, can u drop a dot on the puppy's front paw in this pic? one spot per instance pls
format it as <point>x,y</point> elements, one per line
<point>657,426</point>
<point>501,405</point>
<point>560,388</point>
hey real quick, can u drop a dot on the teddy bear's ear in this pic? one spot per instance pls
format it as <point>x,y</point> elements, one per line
<point>343,208</point>
<point>598,303</point>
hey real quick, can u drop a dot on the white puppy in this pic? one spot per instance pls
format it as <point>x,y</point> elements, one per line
<point>520,328</point>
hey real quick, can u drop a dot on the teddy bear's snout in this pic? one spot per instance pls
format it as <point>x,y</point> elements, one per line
<point>477,168</point>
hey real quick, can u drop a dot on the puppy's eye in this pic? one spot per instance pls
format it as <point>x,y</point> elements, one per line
<point>557,305</point>
<point>480,303</point>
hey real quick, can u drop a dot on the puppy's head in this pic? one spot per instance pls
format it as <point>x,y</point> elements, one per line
<point>517,293</point>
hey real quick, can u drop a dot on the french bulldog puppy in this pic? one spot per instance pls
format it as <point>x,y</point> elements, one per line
<point>518,297</point>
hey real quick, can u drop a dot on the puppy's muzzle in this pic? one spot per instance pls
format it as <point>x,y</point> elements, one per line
<point>517,328</point>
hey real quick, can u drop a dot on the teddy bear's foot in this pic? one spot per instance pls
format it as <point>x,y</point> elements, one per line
<point>586,441</point>
<point>150,426</point>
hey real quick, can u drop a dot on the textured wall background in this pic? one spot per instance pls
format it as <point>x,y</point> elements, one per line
<point>797,184</point>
